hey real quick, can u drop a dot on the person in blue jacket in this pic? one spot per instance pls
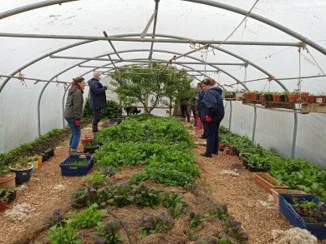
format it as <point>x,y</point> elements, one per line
<point>212,115</point>
<point>97,98</point>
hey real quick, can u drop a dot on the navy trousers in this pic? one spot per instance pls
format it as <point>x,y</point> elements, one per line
<point>212,138</point>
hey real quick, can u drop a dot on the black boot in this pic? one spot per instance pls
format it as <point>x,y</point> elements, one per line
<point>206,154</point>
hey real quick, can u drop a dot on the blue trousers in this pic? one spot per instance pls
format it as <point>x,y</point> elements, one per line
<point>75,134</point>
<point>212,139</point>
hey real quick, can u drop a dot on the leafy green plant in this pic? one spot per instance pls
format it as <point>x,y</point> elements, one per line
<point>109,233</point>
<point>174,203</point>
<point>96,179</point>
<point>86,218</point>
<point>196,219</point>
<point>310,211</point>
<point>64,234</point>
<point>145,196</point>
<point>115,194</point>
<point>84,196</point>
<point>4,170</point>
<point>154,224</point>
<point>56,219</point>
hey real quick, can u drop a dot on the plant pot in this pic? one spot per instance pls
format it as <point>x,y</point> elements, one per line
<point>275,193</point>
<point>276,98</point>
<point>47,154</point>
<point>221,147</point>
<point>293,98</point>
<point>8,181</point>
<point>3,205</point>
<point>264,180</point>
<point>11,197</point>
<point>90,150</point>
<point>303,97</point>
<point>312,99</point>
<point>86,139</point>
<point>284,98</point>
<point>257,96</point>
<point>262,98</point>
<point>23,175</point>
<point>268,97</point>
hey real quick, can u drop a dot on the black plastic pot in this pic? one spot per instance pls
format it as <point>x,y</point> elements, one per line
<point>257,96</point>
<point>47,154</point>
<point>90,150</point>
<point>11,197</point>
<point>268,97</point>
<point>22,175</point>
<point>284,98</point>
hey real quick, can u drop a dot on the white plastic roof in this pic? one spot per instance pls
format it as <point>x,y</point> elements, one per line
<point>182,19</point>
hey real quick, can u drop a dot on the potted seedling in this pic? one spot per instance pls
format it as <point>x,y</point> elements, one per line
<point>276,97</point>
<point>284,96</point>
<point>23,169</point>
<point>3,203</point>
<point>7,179</point>
<point>87,139</point>
<point>293,96</point>
<point>9,194</point>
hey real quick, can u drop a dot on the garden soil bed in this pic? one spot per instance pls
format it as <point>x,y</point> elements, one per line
<point>42,195</point>
<point>245,200</point>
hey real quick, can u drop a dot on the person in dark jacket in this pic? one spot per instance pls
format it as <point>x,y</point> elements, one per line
<point>97,98</point>
<point>184,103</point>
<point>212,115</point>
<point>74,110</point>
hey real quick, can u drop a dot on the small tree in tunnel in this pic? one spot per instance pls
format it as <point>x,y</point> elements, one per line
<point>135,83</point>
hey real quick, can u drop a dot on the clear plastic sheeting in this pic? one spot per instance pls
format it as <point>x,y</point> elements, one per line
<point>274,130</point>
<point>176,19</point>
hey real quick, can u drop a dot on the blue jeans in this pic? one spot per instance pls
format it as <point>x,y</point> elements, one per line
<point>75,134</point>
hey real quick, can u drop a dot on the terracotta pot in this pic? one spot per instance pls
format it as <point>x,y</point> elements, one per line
<point>8,181</point>
<point>276,191</point>
<point>276,98</point>
<point>293,98</point>
<point>262,98</point>
<point>87,139</point>
<point>264,180</point>
<point>3,204</point>
<point>312,99</point>
<point>303,96</point>
<point>221,147</point>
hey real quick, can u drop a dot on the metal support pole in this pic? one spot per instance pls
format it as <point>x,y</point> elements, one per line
<point>295,132</point>
<point>154,31</point>
<point>254,126</point>
<point>142,60</point>
<point>106,35</point>
<point>230,120</point>
<point>151,40</point>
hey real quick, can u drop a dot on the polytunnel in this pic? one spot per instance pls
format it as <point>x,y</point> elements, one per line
<point>252,46</point>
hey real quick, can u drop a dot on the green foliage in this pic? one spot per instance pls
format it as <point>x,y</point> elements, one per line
<point>28,148</point>
<point>109,233</point>
<point>86,218</point>
<point>196,219</point>
<point>301,174</point>
<point>154,224</point>
<point>162,144</point>
<point>111,110</point>
<point>83,196</point>
<point>175,204</point>
<point>96,179</point>
<point>145,196</point>
<point>135,83</point>
<point>115,194</point>
<point>64,235</point>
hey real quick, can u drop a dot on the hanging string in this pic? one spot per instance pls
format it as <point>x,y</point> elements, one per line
<point>247,15</point>
<point>315,62</point>
<point>299,81</point>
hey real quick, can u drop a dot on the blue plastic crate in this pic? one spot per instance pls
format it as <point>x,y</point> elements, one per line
<point>76,170</point>
<point>317,229</point>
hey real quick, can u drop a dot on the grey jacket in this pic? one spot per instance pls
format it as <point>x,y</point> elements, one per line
<point>74,105</point>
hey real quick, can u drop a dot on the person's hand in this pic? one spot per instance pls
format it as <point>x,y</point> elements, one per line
<point>77,122</point>
<point>208,119</point>
<point>105,87</point>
